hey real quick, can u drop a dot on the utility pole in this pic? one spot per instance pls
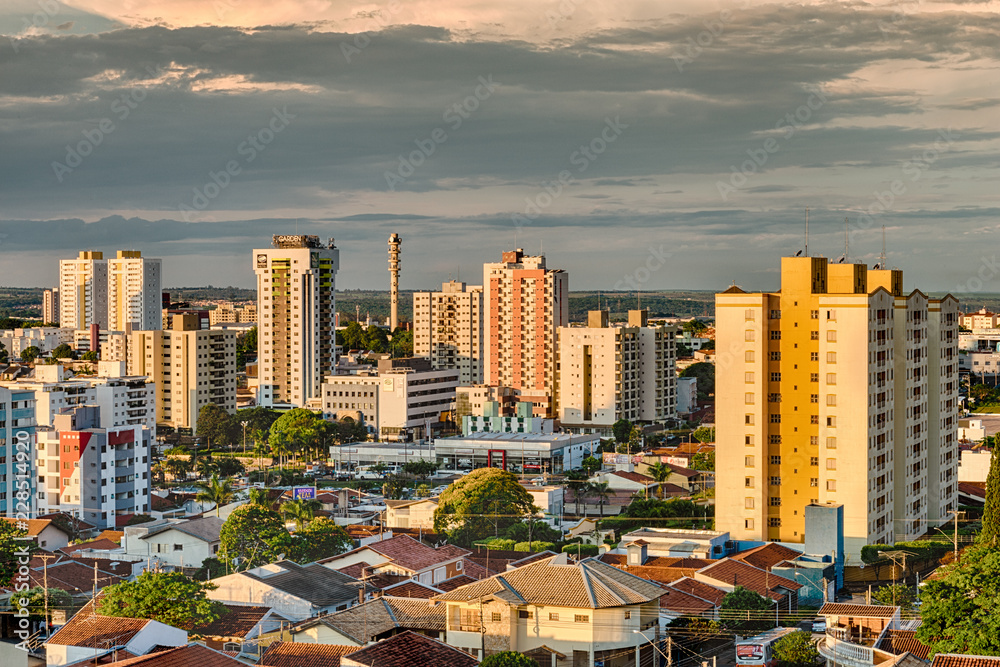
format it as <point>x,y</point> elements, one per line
<point>45,585</point>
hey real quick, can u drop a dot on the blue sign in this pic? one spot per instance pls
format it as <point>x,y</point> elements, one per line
<point>304,493</point>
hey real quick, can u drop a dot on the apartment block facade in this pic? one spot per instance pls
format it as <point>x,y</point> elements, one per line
<point>134,292</point>
<point>448,329</point>
<point>83,290</point>
<point>91,472</point>
<point>192,366</point>
<point>839,388</point>
<point>50,306</point>
<point>526,303</point>
<point>607,373</point>
<point>296,302</point>
<point>17,440</point>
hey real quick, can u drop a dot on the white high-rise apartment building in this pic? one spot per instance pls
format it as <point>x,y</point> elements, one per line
<point>838,389</point>
<point>607,373</point>
<point>525,304</point>
<point>192,366</point>
<point>83,291</point>
<point>296,302</point>
<point>448,329</point>
<point>50,306</point>
<point>134,292</point>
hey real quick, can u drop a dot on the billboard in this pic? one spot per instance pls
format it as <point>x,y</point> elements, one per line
<point>304,493</point>
<point>612,458</point>
<point>749,652</point>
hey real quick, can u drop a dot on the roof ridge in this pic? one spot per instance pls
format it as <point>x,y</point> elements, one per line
<point>584,574</point>
<point>388,610</point>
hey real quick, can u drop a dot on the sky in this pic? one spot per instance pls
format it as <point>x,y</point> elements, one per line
<point>638,144</point>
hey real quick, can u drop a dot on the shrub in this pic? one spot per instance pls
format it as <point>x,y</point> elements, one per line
<point>584,550</point>
<point>534,546</point>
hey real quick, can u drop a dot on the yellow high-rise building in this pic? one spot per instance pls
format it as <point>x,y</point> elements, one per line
<point>842,389</point>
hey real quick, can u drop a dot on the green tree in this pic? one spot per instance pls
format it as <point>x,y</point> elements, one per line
<point>660,472</point>
<point>896,595</point>
<point>229,466</point>
<point>376,339</point>
<point>704,434</point>
<point>30,353</point>
<point>349,430</point>
<point>422,469</point>
<point>10,548</point>
<point>300,511</point>
<point>297,430</point>
<point>167,597</point>
<point>258,496</point>
<point>991,511</point>
<point>694,328</point>
<point>4,354</point>
<point>533,531</point>
<point>622,430</point>
<point>35,597</point>
<point>215,490</point>
<point>246,348</point>
<point>352,337</point>
<point>958,608</point>
<point>704,372</point>
<point>393,487</point>
<point>63,351</point>
<point>795,649</point>
<point>210,569</point>
<point>746,612</point>
<point>402,343</point>
<point>703,461</point>
<point>216,425</point>
<point>251,536</point>
<point>602,491</point>
<point>321,538</point>
<point>591,464</point>
<point>508,659</point>
<point>484,502</point>
<point>179,467</point>
<point>90,355</point>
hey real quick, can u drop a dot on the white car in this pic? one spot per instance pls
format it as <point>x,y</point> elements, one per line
<point>819,625</point>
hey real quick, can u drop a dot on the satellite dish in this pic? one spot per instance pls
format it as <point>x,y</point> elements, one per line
<point>798,254</point>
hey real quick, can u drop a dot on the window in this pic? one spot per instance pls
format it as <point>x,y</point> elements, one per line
<point>749,356</point>
<point>775,501</point>
<point>774,439</point>
<point>831,399</point>
<point>628,614</point>
<point>814,440</point>
<point>748,398</point>
<point>814,356</point>
<point>178,547</point>
<point>831,336</point>
<point>749,440</point>
<point>775,418</point>
<point>748,420</point>
<point>813,335</point>
<point>831,357</point>
<point>814,314</point>
<point>814,377</point>
<point>748,314</point>
<point>814,398</point>
<point>831,464</point>
<point>831,485</point>
<point>774,398</point>
<point>525,614</point>
<point>748,524</point>
<point>776,460</point>
<point>831,443</point>
<point>831,378</point>
<point>831,422</point>
<point>749,482</point>
<point>581,618</point>
<point>831,314</point>
<point>775,335</point>
<point>813,481</point>
<point>553,616</point>
<point>748,377</point>
<point>775,481</point>
<point>775,377</point>
<point>495,617</point>
<point>774,522</point>
<point>775,314</point>
<point>775,356</point>
<point>814,419</point>
<point>748,503</point>
<point>749,335</point>
<point>748,461</point>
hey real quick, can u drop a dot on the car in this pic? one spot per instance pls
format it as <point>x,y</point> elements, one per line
<point>438,490</point>
<point>819,625</point>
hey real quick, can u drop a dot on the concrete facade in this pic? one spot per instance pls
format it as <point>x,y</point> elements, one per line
<point>448,329</point>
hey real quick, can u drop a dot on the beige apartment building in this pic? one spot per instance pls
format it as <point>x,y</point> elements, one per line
<point>50,306</point>
<point>526,303</point>
<point>838,388</point>
<point>229,314</point>
<point>981,319</point>
<point>83,291</point>
<point>134,292</point>
<point>192,366</point>
<point>607,373</point>
<point>448,329</point>
<point>296,302</point>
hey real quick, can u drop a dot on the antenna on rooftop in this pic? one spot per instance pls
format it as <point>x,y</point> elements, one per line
<point>807,232</point>
<point>881,258</point>
<point>847,237</point>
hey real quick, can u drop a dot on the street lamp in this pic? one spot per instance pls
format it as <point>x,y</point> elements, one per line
<point>812,583</point>
<point>957,514</point>
<point>666,655</point>
<point>244,424</point>
<point>893,555</point>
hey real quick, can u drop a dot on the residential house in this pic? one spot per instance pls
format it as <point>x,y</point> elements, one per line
<point>90,635</point>
<point>728,573</point>
<point>405,556</point>
<point>408,650</point>
<point>588,611</point>
<point>681,543</point>
<point>239,628</point>
<point>191,655</point>
<point>626,480</point>
<point>374,621</point>
<point>417,513</point>
<point>288,654</point>
<point>549,499</point>
<point>687,596</point>
<point>181,544</point>
<point>72,576</point>
<point>43,532</point>
<point>295,591</point>
<point>853,631</point>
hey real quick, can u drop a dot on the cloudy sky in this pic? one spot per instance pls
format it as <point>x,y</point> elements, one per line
<point>687,136</point>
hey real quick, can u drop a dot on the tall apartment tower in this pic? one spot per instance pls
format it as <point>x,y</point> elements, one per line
<point>83,291</point>
<point>297,340</point>
<point>448,329</point>
<point>526,303</point>
<point>394,265</point>
<point>135,295</point>
<point>840,389</point>
<point>192,366</point>
<point>50,306</point>
<point>607,373</point>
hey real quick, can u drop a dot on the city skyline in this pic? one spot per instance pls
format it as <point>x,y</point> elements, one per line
<point>605,136</point>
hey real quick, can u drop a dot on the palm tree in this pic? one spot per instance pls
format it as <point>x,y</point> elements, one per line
<point>207,468</point>
<point>258,496</point>
<point>660,472</point>
<point>602,490</point>
<point>577,483</point>
<point>215,491</point>
<point>300,511</point>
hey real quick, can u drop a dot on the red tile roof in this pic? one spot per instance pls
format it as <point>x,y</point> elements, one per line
<point>296,654</point>
<point>414,555</point>
<point>767,556</point>
<point>634,477</point>
<point>102,544</point>
<point>678,601</point>
<point>113,535</point>
<point>88,629</point>
<point>857,610</point>
<point>34,526</point>
<point>73,576</point>
<point>454,582</point>
<point>699,589</point>
<point>682,471</point>
<point>410,589</point>
<point>898,642</point>
<point>731,572</point>
<point>192,655</point>
<point>409,649</point>
<point>957,660</point>
<point>239,621</point>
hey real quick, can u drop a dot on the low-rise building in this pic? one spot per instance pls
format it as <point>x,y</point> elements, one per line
<point>90,635</point>
<point>681,543</point>
<point>532,452</point>
<point>417,513</point>
<point>45,339</point>
<point>375,620</point>
<point>408,649</point>
<point>179,544</point>
<point>45,533</point>
<point>403,556</point>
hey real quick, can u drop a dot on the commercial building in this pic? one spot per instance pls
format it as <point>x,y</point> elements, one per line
<point>17,434</point>
<point>532,453</point>
<point>192,366</point>
<point>448,329</point>
<point>83,290</point>
<point>491,420</point>
<point>90,471</point>
<point>607,373</point>
<point>525,305</point>
<point>134,292</point>
<point>297,339</point>
<point>50,306</point>
<point>403,400</point>
<point>839,388</point>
